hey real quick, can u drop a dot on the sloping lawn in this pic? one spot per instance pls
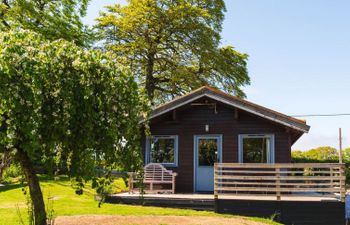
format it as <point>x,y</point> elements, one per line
<point>65,203</point>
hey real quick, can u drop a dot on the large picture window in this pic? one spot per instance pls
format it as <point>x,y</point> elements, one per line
<point>256,148</point>
<point>162,149</point>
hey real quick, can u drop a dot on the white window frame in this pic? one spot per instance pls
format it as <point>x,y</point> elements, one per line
<point>271,150</point>
<point>176,144</point>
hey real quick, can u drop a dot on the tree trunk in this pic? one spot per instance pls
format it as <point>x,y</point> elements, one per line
<point>150,82</point>
<point>34,187</point>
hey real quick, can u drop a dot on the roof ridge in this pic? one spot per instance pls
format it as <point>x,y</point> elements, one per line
<point>180,97</point>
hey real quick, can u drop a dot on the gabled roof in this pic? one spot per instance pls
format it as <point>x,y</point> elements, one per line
<point>234,101</point>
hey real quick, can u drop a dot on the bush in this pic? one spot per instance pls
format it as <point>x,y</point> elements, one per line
<point>11,173</point>
<point>118,186</point>
<point>323,155</point>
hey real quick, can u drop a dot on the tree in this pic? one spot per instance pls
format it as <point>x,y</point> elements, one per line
<point>60,99</point>
<point>53,19</point>
<point>325,153</point>
<point>346,155</point>
<point>172,46</point>
<point>319,154</point>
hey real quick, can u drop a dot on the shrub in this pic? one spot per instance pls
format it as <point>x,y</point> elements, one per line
<point>323,155</point>
<point>12,172</point>
<point>118,186</point>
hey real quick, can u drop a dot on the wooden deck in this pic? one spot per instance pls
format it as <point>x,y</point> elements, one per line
<point>296,197</point>
<point>292,209</point>
<point>299,194</point>
<point>204,201</point>
<point>181,201</point>
<point>294,193</point>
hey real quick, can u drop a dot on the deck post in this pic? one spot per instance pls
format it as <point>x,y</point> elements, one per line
<point>216,207</point>
<point>342,183</point>
<point>173,183</point>
<point>216,197</point>
<point>331,171</point>
<point>278,186</point>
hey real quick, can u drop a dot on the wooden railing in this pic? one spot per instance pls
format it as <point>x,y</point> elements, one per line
<point>279,179</point>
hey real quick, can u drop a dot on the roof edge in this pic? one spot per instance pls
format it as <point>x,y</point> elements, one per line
<point>233,101</point>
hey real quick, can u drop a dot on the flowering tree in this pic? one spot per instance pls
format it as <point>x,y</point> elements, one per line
<point>60,100</point>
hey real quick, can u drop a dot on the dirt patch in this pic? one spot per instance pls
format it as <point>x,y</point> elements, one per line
<point>152,220</point>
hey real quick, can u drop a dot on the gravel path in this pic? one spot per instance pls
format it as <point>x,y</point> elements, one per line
<point>151,220</point>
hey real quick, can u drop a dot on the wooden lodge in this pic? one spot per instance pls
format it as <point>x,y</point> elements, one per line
<point>192,132</point>
<point>212,151</point>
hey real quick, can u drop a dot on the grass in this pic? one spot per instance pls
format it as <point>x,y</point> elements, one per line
<point>66,202</point>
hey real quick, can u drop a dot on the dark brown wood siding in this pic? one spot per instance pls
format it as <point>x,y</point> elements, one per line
<point>191,120</point>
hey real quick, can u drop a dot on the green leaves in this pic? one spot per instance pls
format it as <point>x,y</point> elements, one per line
<point>320,154</point>
<point>63,100</point>
<point>172,47</point>
<point>53,19</point>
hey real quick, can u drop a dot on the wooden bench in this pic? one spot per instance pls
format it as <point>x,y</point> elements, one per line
<point>154,174</point>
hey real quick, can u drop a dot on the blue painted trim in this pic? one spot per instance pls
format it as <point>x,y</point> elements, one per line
<point>176,150</point>
<point>219,137</point>
<point>271,151</point>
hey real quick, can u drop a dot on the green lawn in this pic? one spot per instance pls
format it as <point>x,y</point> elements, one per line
<point>66,202</point>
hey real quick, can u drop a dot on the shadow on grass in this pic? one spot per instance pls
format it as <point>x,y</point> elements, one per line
<point>47,178</point>
<point>9,187</point>
<point>60,180</point>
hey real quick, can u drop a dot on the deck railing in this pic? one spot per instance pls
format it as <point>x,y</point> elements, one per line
<point>278,180</point>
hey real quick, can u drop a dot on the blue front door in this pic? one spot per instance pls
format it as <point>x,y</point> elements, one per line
<point>207,151</point>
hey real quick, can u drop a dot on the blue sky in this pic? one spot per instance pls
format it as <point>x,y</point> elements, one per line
<point>299,59</point>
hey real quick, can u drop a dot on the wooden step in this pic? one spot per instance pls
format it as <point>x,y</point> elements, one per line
<point>180,203</point>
